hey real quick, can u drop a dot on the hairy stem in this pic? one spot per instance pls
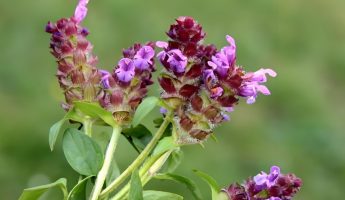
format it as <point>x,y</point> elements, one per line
<point>149,169</point>
<point>106,165</point>
<point>139,160</point>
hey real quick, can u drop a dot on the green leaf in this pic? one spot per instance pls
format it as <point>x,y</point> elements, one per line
<point>54,133</point>
<point>138,136</point>
<point>164,145</point>
<point>79,191</point>
<point>184,180</point>
<point>113,172</point>
<point>158,121</point>
<point>94,110</point>
<point>143,109</point>
<point>82,153</point>
<point>36,192</point>
<point>173,161</point>
<point>159,195</point>
<point>211,182</point>
<point>138,131</point>
<point>136,188</point>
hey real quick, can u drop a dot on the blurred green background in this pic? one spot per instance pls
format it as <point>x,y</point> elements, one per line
<point>300,127</point>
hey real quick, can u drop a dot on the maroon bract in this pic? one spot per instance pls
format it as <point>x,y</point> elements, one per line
<point>77,72</point>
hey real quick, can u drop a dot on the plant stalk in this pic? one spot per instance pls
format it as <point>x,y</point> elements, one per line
<point>88,126</point>
<point>149,169</point>
<point>101,176</point>
<point>140,159</point>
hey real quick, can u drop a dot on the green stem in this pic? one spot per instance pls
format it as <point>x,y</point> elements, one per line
<point>106,165</point>
<point>139,160</point>
<point>88,126</point>
<point>149,169</point>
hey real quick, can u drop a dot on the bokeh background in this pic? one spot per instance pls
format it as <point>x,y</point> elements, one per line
<point>300,127</point>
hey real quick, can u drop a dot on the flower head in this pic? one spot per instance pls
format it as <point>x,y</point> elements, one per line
<point>200,83</point>
<point>272,186</point>
<point>127,85</point>
<point>77,72</point>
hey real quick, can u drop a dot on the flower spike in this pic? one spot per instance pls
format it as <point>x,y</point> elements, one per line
<point>202,84</point>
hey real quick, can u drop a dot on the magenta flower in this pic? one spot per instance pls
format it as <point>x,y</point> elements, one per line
<point>143,58</point>
<point>174,60</point>
<point>125,71</point>
<point>81,10</point>
<point>105,78</point>
<point>251,84</point>
<point>267,180</point>
<point>225,59</point>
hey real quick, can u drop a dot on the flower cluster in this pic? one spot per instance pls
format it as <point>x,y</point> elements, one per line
<point>127,85</point>
<point>202,84</point>
<point>272,186</point>
<point>119,92</point>
<point>77,72</point>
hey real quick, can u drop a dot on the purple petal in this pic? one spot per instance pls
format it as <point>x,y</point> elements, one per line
<point>260,179</point>
<point>212,64</point>
<point>125,71</point>
<point>231,41</point>
<point>162,44</point>
<point>251,100</point>
<point>225,117</point>
<point>229,109</point>
<point>81,10</point>
<point>142,63</point>
<point>274,173</point>
<point>263,89</point>
<point>145,52</point>
<point>124,76</point>
<point>163,110</point>
<point>105,78</point>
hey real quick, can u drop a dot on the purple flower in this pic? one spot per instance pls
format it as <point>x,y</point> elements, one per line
<point>264,180</point>
<point>163,110</point>
<point>260,179</point>
<point>272,186</point>
<point>251,84</point>
<point>81,10</point>
<point>224,59</point>
<point>142,59</point>
<point>105,79</point>
<point>274,173</point>
<point>175,59</point>
<point>125,71</point>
